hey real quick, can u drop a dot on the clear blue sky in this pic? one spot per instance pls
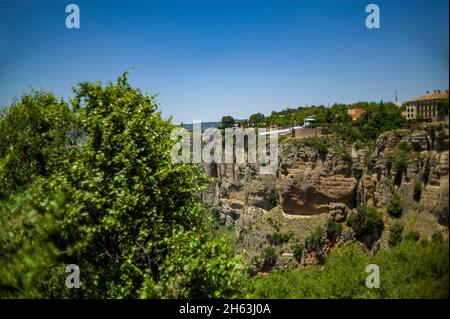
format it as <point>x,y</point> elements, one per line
<point>223,57</point>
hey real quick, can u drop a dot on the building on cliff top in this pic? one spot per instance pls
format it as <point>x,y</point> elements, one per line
<point>355,113</point>
<point>425,108</point>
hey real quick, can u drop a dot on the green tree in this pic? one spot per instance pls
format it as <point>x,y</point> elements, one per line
<point>442,108</point>
<point>227,121</point>
<point>124,213</point>
<point>395,206</point>
<point>29,249</point>
<point>367,224</point>
<point>257,118</point>
<point>413,235</point>
<point>273,200</point>
<point>36,133</point>
<point>409,270</point>
<point>417,191</point>
<point>395,234</point>
<point>298,251</point>
<point>269,258</point>
<point>314,240</point>
<point>333,230</point>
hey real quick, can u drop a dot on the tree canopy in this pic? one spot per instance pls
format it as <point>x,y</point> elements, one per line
<point>116,205</point>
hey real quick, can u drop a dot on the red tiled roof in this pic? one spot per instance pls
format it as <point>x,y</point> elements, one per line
<point>431,96</point>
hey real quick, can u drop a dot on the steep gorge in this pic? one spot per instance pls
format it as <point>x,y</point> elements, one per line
<point>314,185</point>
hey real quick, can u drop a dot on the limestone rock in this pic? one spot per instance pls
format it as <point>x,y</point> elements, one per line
<point>338,211</point>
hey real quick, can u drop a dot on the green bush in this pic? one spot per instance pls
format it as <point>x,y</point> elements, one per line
<point>405,146</point>
<point>395,234</point>
<point>401,159</point>
<point>437,238</point>
<point>28,250</point>
<point>426,172</point>
<point>441,211</point>
<point>344,154</point>
<point>120,209</point>
<point>319,144</point>
<point>278,238</point>
<point>36,135</point>
<point>333,230</point>
<point>400,165</point>
<point>408,270</point>
<point>314,241</point>
<point>394,207</point>
<point>298,251</point>
<point>413,235</point>
<point>273,201</point>
<point>417,191</point>
<point>442,107</point>
<point>270,258</point>
<point>367,224</point>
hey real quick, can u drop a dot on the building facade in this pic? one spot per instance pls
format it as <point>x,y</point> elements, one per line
<point>355,113</point>
<point>424,108</point>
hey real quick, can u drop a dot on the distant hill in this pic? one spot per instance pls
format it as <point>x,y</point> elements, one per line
<point>206,125</point>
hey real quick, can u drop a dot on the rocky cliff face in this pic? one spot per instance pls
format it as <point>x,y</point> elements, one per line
<point>425,165</point>
<point>313,184</point>
<point>308,183</point>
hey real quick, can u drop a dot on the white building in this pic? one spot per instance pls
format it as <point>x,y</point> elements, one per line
<point>308,121</point>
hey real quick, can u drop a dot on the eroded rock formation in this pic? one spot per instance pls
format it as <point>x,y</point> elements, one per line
<point>312,186</point>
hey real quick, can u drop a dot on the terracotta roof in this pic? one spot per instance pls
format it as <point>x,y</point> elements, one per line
<point>431,96</point>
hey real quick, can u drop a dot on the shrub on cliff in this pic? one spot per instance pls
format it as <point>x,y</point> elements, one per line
<point>408,270</point>
<point>278,238</point>
<point>319,144</point>
<point>395,234</point>
<point>394,207</point>
<point>269,258</point>
<point>367,224</point>
<point>273,200</point>
<point>413,235</point>
<point>417,191</point>
<point>298,251</point>
<point>333,230</point>
<point>314,241</point>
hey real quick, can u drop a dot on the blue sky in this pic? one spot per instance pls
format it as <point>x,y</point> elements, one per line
<point>212,58</point>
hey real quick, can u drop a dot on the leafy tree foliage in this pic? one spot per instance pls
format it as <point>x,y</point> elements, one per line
<point>394,207</point>
<point>314,241</point>
<point>417,191</point>
<point>257,118</point>
<point>333,230</point>
<point>278,238</point>
<point>395,234</point>
<point>298,251</point>
<point>367,224</point>
<point>120,210</point>
<point>273,200</point>
<point>378,118</point>
<point>269,258</point>
<point>28,249</point>
<point>319,144</point>
<point>34,137</point>
<point>413,235</point>
<point>442,108</point>
<point>409,270</point>
<point>227,121</point>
